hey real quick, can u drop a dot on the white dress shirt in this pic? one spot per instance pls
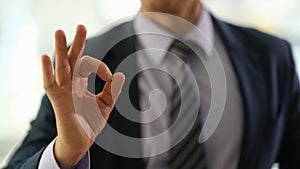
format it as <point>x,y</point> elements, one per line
<point>222,149</point>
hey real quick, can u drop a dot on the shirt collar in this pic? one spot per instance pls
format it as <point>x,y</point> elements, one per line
<point>150,35</point>
<point>203,34</point>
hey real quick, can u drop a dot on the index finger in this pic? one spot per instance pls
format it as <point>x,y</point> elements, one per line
<point>90,65</point>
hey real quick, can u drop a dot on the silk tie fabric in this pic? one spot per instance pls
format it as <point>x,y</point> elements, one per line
<point>188,153</point>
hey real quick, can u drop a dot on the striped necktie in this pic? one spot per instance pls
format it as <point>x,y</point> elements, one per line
<point>188,153</point>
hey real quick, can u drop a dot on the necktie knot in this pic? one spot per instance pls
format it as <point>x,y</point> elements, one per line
<point>187,50</point>
<point>180,49</point>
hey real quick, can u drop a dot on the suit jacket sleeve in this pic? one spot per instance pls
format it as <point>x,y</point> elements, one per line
<point>42,132</point>
<point>289,155</point>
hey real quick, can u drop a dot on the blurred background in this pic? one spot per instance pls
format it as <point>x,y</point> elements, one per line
<point>26,32</point>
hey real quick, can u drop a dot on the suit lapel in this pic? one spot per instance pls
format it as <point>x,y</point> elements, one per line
<point>118,54</point>
<point>251,84</point>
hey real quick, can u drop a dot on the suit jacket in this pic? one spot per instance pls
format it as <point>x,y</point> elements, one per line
<point>267,80</point>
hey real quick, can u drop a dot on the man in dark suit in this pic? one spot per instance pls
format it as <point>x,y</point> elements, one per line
<point>260,124</point>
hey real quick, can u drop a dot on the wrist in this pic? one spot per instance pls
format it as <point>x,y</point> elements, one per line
<point>67,157</point>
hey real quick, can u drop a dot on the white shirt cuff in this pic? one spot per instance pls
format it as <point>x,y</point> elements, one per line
<point>48,161</point>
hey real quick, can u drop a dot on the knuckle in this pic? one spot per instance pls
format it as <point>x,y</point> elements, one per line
<point>85,58</point>
<point>65,66</point>
<point>48,86</point>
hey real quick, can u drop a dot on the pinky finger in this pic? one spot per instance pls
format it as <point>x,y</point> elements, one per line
<point>48,77</point>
